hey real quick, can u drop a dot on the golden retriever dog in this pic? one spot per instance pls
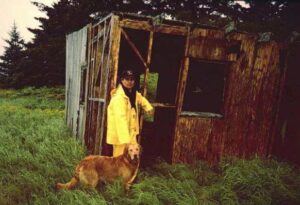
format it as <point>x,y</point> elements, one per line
<point>95,168</point>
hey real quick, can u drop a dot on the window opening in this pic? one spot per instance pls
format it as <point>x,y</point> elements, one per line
<point>204,92</point>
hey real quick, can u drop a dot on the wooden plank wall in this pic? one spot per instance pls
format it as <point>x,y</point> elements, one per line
<point>250,106</point>
<point>76,43</point>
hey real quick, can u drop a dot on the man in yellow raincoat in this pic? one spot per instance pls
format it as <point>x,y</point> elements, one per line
<point>123,113</point>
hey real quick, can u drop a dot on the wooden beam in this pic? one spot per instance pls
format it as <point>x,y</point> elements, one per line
<point>133,24</point>
<point>96,99</point>
<point>164,105</point>
<point>104,19</point>
<point>93,106</point>
<point>134,48</point>
<point>104,61</point>
<point>105,85</point>
<point>86,104</point>
<point>102,31</point>
<point>149,53</point>
<point>102,105</point>
<point>147,26</point>
<point>115,38</point>
<point>183,73</point>
<point>90,91</point>
<point>98,131</point>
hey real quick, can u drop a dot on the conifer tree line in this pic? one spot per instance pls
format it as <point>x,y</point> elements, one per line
<point>9,65</point>
<point>41,62</point>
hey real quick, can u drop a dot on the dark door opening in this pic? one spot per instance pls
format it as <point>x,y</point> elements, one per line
<point>158,129</point>
<point>288,141</point>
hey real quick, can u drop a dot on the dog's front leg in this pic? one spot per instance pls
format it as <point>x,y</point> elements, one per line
<point>127,186</point>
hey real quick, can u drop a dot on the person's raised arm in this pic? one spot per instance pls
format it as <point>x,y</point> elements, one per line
<point>144,103</point>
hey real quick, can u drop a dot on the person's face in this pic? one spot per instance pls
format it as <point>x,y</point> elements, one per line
<point>128,82</point>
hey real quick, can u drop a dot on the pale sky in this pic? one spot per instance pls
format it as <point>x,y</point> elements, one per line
<point>23,13</point>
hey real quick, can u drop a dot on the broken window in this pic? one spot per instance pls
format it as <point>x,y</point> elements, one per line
<point>204,92</point>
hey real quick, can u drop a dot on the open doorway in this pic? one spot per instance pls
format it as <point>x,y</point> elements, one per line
<point>162,79</point>
<point>158,129</point>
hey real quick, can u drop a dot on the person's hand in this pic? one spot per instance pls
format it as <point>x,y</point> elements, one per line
<point>150,112</point>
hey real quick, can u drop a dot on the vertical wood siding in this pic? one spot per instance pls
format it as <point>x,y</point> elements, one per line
<point>249,109</point>
<point>76,43</point>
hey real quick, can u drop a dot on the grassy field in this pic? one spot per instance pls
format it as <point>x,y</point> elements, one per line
<point>37,151</point>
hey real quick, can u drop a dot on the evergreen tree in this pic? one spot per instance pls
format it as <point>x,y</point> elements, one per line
<point>11,61</point>
<point>46,54</point>
<point>277,16</point>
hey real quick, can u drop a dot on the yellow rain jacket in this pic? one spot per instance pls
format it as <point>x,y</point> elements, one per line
<point>122,119</point>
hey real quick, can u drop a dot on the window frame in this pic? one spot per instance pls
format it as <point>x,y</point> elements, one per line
<point>221,113</point>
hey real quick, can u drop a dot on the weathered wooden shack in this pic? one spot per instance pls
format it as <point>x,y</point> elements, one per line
<point>215,93</point>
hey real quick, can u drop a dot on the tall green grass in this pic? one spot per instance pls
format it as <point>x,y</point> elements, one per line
<point>37,151</point>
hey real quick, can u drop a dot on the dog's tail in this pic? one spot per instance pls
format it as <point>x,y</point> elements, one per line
<point>72,183</point>
<point>69,185</point>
